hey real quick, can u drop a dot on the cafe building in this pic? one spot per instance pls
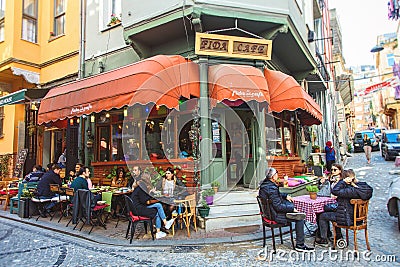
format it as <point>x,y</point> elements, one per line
<point>216,95</point>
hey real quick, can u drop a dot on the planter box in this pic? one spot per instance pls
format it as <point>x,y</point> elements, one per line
<point>296,190</point>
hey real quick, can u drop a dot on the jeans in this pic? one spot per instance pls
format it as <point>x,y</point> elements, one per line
<point>160,213</point>
<point>299,227</point>
<point>51,204</point>
<point>324,219</point>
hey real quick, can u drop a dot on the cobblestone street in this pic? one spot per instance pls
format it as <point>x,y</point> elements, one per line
<point>28,245</point>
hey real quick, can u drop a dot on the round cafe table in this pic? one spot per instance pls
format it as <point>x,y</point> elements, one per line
<point>310,206</point>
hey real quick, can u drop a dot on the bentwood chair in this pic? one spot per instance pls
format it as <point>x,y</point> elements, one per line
<point>265,206</point>
<point>69,192</point>
<point>188,212</point>
<point>5,194</point>
<point>60,199</point>
<point>360,215</point>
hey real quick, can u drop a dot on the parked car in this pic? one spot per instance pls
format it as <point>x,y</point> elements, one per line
<point>393,204</point>
<point>358,140</point>
<point>378,132</point>
<point>390,146</point>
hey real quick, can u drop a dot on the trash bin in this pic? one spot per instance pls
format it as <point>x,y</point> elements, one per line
<point>23,210</point>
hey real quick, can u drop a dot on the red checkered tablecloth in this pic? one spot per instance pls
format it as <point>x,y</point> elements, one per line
<point>310,206</point>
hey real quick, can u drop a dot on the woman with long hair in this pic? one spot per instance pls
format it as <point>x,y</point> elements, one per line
<point>367,147</point>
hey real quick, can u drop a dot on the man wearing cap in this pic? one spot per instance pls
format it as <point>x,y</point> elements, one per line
<point>283,209</point>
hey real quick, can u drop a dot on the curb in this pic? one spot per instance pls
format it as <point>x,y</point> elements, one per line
<point>95,238</point>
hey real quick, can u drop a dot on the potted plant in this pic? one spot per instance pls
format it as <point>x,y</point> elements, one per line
<point>203,209</point>
<point>316,148</point>
<point>114,20</point>
<point>312,190</point>
<point>208,196</point>
<point>215,186</point>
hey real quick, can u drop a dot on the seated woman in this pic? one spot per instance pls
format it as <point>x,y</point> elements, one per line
<point>146,206</point>
<point>120,180</point>
<point>173,187</point>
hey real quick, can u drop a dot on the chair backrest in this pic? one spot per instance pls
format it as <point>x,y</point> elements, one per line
<point>360,211</point>
<point>69,192</point>
<point>107,197</point>
<point>130,208</point>
<point>55,188</point>
<point>191,200</point>
<point>265,209</point>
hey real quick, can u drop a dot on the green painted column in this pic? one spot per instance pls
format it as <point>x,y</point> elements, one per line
<point>205,142</point>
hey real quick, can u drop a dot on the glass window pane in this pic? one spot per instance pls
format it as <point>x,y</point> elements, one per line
<point>117,152</point>
<point>59,7</point>
<point>59,25</point>
<point>104,143</point>
<point>2,32</point>
<point>2,8</point>
<point>30,8</point>
<point>29,30</point>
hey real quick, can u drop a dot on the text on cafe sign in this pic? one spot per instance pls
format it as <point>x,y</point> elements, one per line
<point>232,46</point>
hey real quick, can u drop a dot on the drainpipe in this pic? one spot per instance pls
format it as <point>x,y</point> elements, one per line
<point>205,142</point>
<point>81,74</point>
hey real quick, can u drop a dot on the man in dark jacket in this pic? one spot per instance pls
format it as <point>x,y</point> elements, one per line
<point>43,187</point>
<point>283,209</point>
<point>346,189</point>
<point>35,175</point>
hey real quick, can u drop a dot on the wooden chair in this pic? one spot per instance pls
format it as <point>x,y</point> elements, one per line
<point>360,222</point>
<point>15,201</point>
<point>60,199</point>
<point>5,195</point>
<point>69,192</point>
<point>188,208</point>
<point>267,221</point>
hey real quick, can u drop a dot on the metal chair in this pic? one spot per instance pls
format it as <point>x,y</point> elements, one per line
<point>360,215</point>
<point>135,219</point>
<point>265,206</point>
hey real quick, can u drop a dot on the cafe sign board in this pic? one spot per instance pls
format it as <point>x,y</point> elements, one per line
<point>233,46</point>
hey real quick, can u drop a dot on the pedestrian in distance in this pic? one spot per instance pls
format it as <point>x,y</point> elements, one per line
<point>367,148</point>
<point>330,155</point>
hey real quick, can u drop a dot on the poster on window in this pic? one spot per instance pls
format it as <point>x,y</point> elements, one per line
<point>215,132</point>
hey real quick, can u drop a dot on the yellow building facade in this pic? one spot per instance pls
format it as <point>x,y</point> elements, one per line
<point>39,48</point>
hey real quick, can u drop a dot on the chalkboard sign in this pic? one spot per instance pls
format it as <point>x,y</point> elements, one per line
<point>19,165</point>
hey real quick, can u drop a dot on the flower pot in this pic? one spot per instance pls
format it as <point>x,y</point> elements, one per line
<point>317,150</point>
<point>215,189</point>
<point>209,200</point>
<point>313,195</point>
<point>203,212</point>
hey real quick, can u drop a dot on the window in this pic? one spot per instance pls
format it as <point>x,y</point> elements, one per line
<point>29,21</point>
<point>59,17</point>
<point>2,14</point>
<point>390,59</point>
<point>111,9</point>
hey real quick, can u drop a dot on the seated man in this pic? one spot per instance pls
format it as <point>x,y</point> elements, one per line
<point>80,182</point>
<point>282,207</point>
<point>35,175</point>
<point>43,187</point>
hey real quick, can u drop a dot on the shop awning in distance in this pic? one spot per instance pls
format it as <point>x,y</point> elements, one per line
<point>161,80</point>
<point>287,94</point>
<point>237,82</point>
<point>20,96</point>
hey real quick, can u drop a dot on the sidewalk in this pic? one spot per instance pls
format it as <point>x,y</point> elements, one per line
<point>116,235</point>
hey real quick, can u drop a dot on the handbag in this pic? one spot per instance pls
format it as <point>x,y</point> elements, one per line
<point>330,207</point>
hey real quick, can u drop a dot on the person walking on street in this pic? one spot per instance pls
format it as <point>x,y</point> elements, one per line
<point>367,147</point>
<point>330,155</point>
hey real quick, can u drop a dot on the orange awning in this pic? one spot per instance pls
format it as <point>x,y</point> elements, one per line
<point>287,94</point>
<point>161,80</point>
<point>236,82</point>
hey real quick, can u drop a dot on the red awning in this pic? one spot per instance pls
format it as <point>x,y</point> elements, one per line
<point>287,94</point>
<point>161,80</point>
<point>236,82</point>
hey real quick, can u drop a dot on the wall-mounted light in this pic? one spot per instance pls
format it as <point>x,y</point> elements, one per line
<point>169,121</point>
<point>78,120</point>
<point>107,115</point>
<point>71,121</point>
<point>138,124</point>
<point>125,112</point>
<point>92,118</point>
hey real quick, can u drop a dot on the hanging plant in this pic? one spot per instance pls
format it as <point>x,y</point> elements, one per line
<point>4,165</point>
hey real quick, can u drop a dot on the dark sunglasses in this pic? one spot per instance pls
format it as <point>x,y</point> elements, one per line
<point>334,169</point>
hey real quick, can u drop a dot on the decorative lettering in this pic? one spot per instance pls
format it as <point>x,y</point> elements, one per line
<point>247,93</point>
<point>81,109</point>
<point>214,45</point>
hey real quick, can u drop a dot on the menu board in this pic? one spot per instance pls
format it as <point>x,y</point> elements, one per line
<point>19,165</point>
<point>215,132</point>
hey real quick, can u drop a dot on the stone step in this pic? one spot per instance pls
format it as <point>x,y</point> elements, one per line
<point>232,222</point>
<point>234,210</point>
<point>233,198</point>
